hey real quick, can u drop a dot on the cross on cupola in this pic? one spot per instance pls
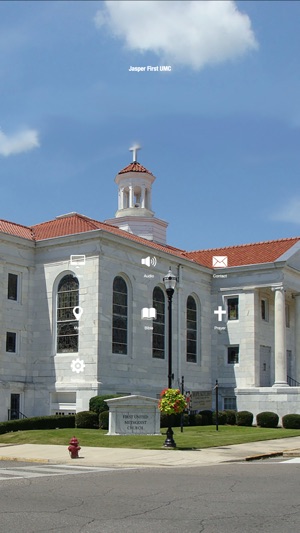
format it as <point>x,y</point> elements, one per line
<point>134,149</point>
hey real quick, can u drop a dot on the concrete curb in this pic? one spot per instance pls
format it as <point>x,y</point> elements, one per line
<point>263,456</point>
<point>291,453</point>
<point>24,460</point>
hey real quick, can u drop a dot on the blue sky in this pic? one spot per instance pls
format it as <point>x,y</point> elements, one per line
<point>221,131</point>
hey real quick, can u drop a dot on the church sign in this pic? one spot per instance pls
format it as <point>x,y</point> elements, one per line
<point>201,400</point>
<point>133,415</point>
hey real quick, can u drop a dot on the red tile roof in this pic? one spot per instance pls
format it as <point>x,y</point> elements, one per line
<point>64,225</point>
<point>135,167</point>
<point>16,229</point>
<point>245,254</point>
<point>74,223</point>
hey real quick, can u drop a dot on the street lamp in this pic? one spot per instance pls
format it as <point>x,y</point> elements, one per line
<point>170,284</point>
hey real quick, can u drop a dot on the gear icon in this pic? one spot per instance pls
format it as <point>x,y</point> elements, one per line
<point>77,365</point>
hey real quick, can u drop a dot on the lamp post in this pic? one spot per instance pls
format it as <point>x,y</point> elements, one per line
<point>170,284</point>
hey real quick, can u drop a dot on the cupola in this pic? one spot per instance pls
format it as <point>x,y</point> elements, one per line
<point>134,212</point>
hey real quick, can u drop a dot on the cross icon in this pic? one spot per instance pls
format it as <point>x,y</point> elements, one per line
<point>220,312</point>
<point>134,149</point>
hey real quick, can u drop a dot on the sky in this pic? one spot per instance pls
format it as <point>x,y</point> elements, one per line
<point>220,130</point>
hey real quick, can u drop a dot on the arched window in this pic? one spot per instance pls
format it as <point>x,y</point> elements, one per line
<point>67,325</point>
<point>191,330</point>
<point>158,333</point>
<point>120,316</point>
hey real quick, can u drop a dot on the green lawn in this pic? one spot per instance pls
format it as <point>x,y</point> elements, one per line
<point>191,438</point>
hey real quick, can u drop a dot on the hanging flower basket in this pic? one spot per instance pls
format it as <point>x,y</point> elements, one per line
<point>172,402</point>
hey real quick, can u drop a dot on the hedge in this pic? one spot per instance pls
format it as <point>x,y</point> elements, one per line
<point>267,419</point>
<point>244,418</point>
<point>291,421</point>
<point>222,418</point>
<point>103,420</point>
<point>38,422</point>
<point>198,420</point>
<point>207,417</point>
<point>231,416</point>
<point>87,420</point>
<point>98,403</point>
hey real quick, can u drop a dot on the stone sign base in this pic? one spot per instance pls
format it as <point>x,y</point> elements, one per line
<point>133,415</point>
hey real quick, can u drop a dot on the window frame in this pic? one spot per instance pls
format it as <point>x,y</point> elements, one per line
<point>266,302</point>
<point>15,351</point>
<point>157,325</point>
<point>70,321</point>
<point>17,289</point>
<point>287,315</point>
<point>120,317</point>
<point>195,330</point>
<point>229,398</point>
<point>232,347</point>
<point>228,298</point>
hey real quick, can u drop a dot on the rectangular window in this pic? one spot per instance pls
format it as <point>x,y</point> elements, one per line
<point>287,316</point>
<point>12,288</point>
<point>14,412</point>
<point>11,342</point>
<point>191,331</point>
<point>233,355</point>
<point>264,306</point>
<point>230,403</point>
<point>233,308</point>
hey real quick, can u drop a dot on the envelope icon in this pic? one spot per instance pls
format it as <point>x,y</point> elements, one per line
<point>220,261</point>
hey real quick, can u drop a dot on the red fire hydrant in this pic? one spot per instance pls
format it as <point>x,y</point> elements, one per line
<point>74,448</point>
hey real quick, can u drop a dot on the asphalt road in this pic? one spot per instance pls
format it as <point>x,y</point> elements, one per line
<point>232,498</point>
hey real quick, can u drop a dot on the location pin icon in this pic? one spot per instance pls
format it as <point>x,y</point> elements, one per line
<point>77,312</point>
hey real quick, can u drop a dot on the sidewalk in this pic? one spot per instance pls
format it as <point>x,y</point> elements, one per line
<point>127,458</point>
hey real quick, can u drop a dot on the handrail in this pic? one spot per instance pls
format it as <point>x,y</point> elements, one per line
<point>292,382</point>
<point>15,414</point>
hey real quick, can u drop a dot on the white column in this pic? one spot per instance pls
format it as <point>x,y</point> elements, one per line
<point>149,206</point>
<point>143,196</point>
<point>280,345</point>
<point>131,193</point>
<point>121,199</point>
<point>297,337</point>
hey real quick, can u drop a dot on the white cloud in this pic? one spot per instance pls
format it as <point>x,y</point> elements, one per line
<point>186,32</point>
<point>290,212</point>
<point>18,142</point>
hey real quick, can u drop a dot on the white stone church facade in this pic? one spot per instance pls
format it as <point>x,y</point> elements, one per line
<point>73,290</point>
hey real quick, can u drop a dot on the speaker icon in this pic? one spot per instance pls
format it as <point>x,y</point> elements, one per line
<point>149,261</point>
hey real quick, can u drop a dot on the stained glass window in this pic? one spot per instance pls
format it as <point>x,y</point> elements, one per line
<point>67,325</point>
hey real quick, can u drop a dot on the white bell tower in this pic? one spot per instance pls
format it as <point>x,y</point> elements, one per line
<point>134,212</point>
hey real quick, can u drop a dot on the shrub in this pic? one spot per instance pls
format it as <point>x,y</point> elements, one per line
<point>98,403</point>
<point>186,419</point>
<point>192,421</point>
<point>231,416</point>
<point>198,420</point>
<point>86,419</point>
<point>207,417</point>
<point>291,421</point>
<point>103,420</point>
<point>222,418</point>
<point>267,419</point>
<point>189,419</point>
<point>38,422</point>
<point>244,418</point>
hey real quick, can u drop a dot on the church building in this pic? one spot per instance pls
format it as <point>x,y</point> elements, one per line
<point>84,311</point>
